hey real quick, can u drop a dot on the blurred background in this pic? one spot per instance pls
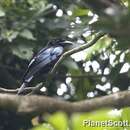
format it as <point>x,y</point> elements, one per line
<point>26,26</point>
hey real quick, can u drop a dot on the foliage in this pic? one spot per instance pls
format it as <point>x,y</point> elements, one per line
<point>78,121</point>
<point>27,25</point>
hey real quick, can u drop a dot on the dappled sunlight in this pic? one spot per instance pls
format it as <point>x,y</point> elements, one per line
<point>59,13</point>
<point>115,112</point>
<point>125,68</point>
<point>62,89</point>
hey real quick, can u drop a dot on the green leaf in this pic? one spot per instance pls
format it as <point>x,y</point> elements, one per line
<point>82,121</point>
<point>59,121</point>
<point>9,35</point>
<point>77,11</point>
<point>126,116</point>
<point>98,47</point>
<point>44,126</point>
<point>2,13</point>
<point>70,63</point>
<point>23,49</point>
<point>123,43</point>
<point>27,34</point>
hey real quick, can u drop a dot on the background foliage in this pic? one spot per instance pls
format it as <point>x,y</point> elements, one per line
<point>27,25</point>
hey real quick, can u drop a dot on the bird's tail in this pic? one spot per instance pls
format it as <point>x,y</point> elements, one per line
<point>24,84</point>
<point>21,89</point>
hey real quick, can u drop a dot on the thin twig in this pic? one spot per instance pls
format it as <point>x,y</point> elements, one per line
<point>66,54</point>
<point>77,49</point>
<point>37,87</point>
<point>26,90</point>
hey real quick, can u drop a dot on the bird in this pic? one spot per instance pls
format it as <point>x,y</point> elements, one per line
<point>44,61</point>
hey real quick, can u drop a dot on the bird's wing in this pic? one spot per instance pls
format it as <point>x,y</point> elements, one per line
<point>43,59</point>
<point>43,50</point>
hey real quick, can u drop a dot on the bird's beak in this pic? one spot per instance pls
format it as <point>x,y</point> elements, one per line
<point>68,43</point>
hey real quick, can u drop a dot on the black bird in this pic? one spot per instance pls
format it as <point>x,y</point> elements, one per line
<point>44,61</point>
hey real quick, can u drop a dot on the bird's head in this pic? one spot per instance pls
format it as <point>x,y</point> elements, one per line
<point>60,42</point>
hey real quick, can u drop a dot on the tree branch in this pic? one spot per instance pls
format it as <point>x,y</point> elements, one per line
<point>25,91</point>
<point>38,86</point>
<point>77,49</point>
<point>35,105</point>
